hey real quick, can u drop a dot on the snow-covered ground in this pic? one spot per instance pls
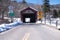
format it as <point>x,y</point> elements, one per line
<point>4,27</point>
<point>17,21</point>
<point>55,22</point>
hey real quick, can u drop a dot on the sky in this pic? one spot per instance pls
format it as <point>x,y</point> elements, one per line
<point>41,1</point>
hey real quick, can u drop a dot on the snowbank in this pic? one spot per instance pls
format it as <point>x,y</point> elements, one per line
<point>53,22</point>
<point>4,27</point>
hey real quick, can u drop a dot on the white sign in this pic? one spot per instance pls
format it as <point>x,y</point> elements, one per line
<point>10,7</point>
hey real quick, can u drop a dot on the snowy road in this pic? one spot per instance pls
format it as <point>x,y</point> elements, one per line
<point>31,32</point>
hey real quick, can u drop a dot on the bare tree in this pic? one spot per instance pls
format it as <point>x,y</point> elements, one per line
<point>3,7</point>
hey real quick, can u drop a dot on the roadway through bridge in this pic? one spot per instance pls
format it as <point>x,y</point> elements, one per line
<point>31,32</point>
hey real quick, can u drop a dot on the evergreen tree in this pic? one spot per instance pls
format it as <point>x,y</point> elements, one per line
<point>23,1</point>
<point>55,15</point>
<point>0,0</point>
<point>59,13</point>
<point>46,6</point>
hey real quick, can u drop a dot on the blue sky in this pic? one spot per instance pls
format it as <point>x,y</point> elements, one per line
<point>41,1</point>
